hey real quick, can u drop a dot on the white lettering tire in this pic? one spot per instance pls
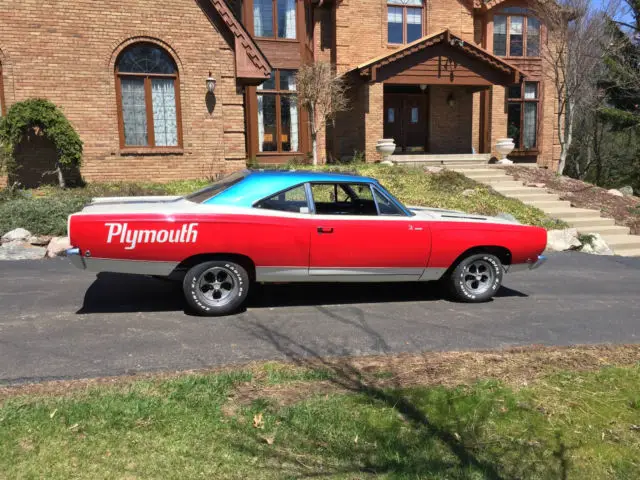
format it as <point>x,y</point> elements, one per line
<point>477,278</point>
<point>216,288</point>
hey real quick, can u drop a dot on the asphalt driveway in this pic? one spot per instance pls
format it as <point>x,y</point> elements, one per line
<point>59,322</point>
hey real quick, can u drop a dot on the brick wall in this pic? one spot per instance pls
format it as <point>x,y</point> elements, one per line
<point>66,53</point>
<point>450,128</point>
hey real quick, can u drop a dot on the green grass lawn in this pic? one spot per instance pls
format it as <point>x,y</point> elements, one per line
<point>44,211</point>
<point>335,421</point>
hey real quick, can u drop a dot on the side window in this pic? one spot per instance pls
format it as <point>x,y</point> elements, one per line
<point>386,206</point>
<point>343,199</point>
<point>292,200</point>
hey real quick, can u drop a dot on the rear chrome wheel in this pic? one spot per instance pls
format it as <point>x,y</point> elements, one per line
<point>476,278</point>
<point>216,287</point>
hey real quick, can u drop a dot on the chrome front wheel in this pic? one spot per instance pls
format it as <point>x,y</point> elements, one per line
<point>476,278</point>
<point>216,287</point>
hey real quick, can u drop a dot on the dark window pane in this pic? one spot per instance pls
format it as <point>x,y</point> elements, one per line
<point>134,111</point>
<point>513,122</point>
<point>287,79</point>
<point>515,36</point>
<point>267,123</point>
<point>289,123</point>
<point>394,25</point>
<point>529,135</point>
<point>415,117</point>
<point>146,58</point>
<point>263,18</point>
<point>514,91</point>
<point>287,18</point>
<point>391,115</point>
<point>414,24</point>
<point>533,37</point>
<point>500,35</point>
<point>269,84</point>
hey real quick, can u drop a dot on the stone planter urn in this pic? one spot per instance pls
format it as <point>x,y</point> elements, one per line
<point>385,147</point>
<point>504,146</point>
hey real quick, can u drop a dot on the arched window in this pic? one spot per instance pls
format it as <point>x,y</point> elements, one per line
<point>516,33</point>
<point>148,97</point>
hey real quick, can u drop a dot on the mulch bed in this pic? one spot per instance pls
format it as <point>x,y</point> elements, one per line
<point>624,210</point>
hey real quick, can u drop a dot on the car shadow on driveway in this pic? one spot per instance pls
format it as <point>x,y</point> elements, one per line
<point>117,293</point>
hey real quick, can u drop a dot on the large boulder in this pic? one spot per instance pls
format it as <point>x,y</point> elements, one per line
<point>596,245</point>
<point>561,240</point>
<point>57,246</point>
<point>17,234</point>
<point>627,191</point>
<point>615,193</point>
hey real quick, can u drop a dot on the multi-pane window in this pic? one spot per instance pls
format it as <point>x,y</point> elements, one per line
<point>522,114</point>
<point>274,18</point>
<point>278,122</point>
<point>404,20</point>
<point>147,87</point>
<point>516,33</point>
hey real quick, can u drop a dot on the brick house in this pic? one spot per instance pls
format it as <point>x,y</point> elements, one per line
<point>134,78</point>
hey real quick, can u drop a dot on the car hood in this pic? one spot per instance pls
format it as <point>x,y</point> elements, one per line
<point>458,216</point>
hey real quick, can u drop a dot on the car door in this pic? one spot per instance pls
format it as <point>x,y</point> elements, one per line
<point>355,237</point>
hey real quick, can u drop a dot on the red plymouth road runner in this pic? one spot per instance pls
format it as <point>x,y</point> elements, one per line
<point>297,226</point>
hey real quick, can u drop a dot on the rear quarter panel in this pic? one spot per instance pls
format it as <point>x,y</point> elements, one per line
<point>452,239</point>
<point>267,240</point>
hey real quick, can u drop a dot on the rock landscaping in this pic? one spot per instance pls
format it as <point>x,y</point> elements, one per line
<point>20,244</point>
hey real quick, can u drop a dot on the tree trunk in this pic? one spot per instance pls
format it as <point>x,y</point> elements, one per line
<point>61,181</point>
<point>314,135</point>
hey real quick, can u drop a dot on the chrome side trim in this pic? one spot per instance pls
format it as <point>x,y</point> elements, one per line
<point>142,267</point>
<point>366,271</point>
<point>431,274</point>
<point>301,274</point>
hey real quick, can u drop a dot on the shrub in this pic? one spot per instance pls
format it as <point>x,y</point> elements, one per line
<point>49,119</point>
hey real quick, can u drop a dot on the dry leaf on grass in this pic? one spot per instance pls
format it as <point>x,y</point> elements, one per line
<point>257,421</point>
<point>53,414</point>
<point>269,439</point>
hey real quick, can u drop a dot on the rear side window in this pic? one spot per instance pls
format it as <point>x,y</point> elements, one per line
<point>216,188</point>
<point>292,200</point>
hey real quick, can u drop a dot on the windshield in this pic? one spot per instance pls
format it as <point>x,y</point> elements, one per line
<point>217,187</point>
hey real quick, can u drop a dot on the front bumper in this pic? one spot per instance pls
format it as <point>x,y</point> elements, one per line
<point>531,265</point>
<point>75,257</point>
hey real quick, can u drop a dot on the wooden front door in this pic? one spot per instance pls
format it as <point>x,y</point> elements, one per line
<point>405,120</point>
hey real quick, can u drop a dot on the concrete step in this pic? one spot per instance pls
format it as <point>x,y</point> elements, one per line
<point>537,197</point>
<point>453,157</point>
<point>481,175</point>
<point>606,230</point>
<point>544,204</point>
<point>569,213</point>
<point>467,166</point>
<point>586,224</point>
<point>627,252</point>
<point>492,180</point>
<point>622,241</point>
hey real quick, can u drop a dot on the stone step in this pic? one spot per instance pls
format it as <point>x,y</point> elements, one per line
<point>480,175</point>
<point>606,230</point>
<point>504,181</point>
<point>524,197</point>
<point>467,166</point>
<point>569,213</point>
<point>544,204</point>
<point>628,252</point>
<point>622,241</point>
<point>452,157</point>
<point>586,224</point>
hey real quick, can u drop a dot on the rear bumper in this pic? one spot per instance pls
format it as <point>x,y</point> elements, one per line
<point>531,265</point>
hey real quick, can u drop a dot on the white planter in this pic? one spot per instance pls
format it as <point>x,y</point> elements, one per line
<point>504,146</point>
<point>385,147</point>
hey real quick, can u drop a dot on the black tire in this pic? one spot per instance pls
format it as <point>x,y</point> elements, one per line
<point>226,280</point>
<point>482,271</point>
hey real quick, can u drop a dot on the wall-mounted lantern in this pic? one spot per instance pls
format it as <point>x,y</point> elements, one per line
<point>211,84</point>
<point>451,100</point>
